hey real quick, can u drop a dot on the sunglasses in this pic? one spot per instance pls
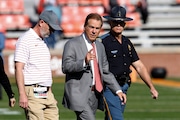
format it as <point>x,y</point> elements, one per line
<point>118,22</point>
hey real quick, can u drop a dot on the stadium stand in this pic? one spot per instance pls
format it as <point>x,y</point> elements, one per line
<point>17,6</point>
<point>2,28</point>
<point>11,6</point>
<point>75,11</point>
<point>73,18</point>
<point>136,20</point>
<point>4,7</point>
<point>22,21</point>
<point>8,20</point>
<point>10,44</point>
<point>178,2</point>
<point>162,28</point>
<point>82,2</point>
<point>15,21</point>
<point>12,18</point>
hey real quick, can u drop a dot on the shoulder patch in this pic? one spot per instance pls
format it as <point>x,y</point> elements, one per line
<point>105,35</point>
<point>99,39</point>
<point>129,47</point>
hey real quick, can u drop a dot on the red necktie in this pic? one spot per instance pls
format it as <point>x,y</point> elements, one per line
<point>98,83</point>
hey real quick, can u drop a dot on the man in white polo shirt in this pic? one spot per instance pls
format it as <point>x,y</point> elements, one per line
<point>33,72</point>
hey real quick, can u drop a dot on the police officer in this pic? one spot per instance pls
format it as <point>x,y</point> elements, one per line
<point>121,55</point>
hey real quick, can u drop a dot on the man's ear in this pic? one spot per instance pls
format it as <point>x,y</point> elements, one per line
<point>40,22</point>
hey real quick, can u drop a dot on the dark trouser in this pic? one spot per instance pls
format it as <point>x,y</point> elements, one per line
<point>4,80</point>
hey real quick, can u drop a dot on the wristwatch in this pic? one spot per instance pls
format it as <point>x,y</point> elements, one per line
<point>11,96</point>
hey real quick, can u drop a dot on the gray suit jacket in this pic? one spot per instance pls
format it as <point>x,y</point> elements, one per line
<point>79,78</point>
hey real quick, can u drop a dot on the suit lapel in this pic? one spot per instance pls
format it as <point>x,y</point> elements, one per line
<point>83,46</point>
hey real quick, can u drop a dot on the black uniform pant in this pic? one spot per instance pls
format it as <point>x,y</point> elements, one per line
<point>3,78</point>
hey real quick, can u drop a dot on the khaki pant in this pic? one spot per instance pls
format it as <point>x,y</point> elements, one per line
<point>40,108</point>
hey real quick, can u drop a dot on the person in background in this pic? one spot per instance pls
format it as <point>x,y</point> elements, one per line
<point>4,80</point>
<point>33,70</point>
<point>121,54</point>
<point>108,5</point>
<point>2,42</point>
<point>86,67</point>
<point>142,6</point>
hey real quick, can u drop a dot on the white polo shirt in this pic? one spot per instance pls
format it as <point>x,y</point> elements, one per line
<point>33,51</point>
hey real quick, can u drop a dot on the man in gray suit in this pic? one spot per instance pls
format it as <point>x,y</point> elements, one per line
<point>80,95</point>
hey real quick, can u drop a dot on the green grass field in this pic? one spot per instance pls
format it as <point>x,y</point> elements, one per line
<point>140,105</point>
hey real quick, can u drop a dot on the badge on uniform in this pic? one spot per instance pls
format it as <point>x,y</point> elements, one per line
<point>40,92</point>
<point>114,52</point>
<point>129,47</point>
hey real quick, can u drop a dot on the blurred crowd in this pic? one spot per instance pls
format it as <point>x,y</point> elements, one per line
<point>57,5</point>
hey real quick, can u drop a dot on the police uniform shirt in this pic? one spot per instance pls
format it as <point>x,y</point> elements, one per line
<point>119,55</point>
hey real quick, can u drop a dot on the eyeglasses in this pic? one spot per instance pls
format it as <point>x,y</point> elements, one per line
<point>121,23</point>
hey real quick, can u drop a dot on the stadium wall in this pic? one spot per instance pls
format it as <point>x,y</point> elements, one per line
<point>170,60</point>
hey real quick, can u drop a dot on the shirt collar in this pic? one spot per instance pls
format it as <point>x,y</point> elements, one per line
<point>87,42</point>
<point>35,34</point>
<point>114,39</point>
<point>86,38</point>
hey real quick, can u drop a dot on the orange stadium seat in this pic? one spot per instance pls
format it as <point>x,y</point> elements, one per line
<point>131,8</point>
<point>70,18</point>
<point>22,21</point>
<point>81,2</point>
<point>5,7</point>
<point>11,6</point>
<point>89,9</point>
<point>17,6</point>
<point>10,44</point>
<point>97,2</point>
<point>67,2</point>
<point>72,29</point>
<point>85,10</point>
<point>136,19</point>
<point>73,18</point>
<point>2,28</point>
<point>61,2</point>
<point>84,2</point>
<point>8,21</point>
<point>15,21</point>
<point>178,2</point>
<point>69,13</point>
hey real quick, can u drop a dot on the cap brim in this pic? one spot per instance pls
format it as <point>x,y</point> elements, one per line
<point>121,19</point>
<point>55,27</point>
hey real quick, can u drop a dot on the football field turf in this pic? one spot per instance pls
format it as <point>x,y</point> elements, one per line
<point>140,105</point>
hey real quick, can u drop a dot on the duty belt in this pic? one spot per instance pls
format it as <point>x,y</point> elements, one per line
<point>122,79</point>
